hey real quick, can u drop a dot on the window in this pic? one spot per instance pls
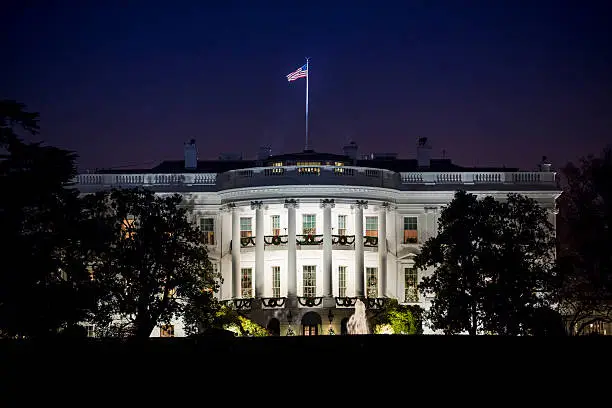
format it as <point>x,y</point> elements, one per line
<point>372,280</point>
<point>371,226</point>
<point>245,227</point>
<point>128,227</point>
<point>342,225</point>
<point>279,170</point>
<point>342,281</point>
<point>91,330</point>
<point>338,168</point>
<point>167,330</point>
<point>207,225</point>
<point>410,230</point>
<point>276,225</point>
<point>276,281</point>
<point>310,280</point>
<point>309,167</point>
<point>411,293</point>
<point>309,224</point>
<point>246,282</point>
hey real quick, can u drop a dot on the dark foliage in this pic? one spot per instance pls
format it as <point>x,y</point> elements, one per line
<point>493,265</point>
<point>585,243</point>
<point>41,291</point>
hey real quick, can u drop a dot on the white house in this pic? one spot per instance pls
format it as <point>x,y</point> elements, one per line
<point>298,237</point>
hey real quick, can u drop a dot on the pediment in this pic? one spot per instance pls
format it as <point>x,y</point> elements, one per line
<point>407,253</point>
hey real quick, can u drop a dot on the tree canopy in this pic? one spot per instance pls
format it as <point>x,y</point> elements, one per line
<point>40,290</point>
<point>585,242</point>
<point>493,265</point>
<point>146,258</point>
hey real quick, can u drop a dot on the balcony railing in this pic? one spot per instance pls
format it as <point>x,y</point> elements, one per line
<point>481,177</point>
<point>147,180</point>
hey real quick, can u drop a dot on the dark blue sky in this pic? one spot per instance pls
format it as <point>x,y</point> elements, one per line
<point>490,82</point>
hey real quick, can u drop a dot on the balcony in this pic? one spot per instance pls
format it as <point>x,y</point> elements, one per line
<point>320,175</point>
<point>158,182</point>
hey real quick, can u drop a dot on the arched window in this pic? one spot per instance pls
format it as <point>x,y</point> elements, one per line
<point>310,324</point>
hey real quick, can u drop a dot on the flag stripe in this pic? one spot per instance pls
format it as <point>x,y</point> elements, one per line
<point>301,72</point>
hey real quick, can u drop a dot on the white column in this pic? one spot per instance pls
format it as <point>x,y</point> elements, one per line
<point>291,205</point>
<point>259,248</point>
<point>235,252</point>
<point>327,205</point>
<point>382,250</point>
<point>359,270</point>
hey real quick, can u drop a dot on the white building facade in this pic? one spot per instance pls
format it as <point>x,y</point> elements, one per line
<point>298,238</point>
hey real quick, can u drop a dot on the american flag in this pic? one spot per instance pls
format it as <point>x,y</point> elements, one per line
<point>301,72</point>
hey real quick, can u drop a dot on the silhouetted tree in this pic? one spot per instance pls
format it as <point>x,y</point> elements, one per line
<point>521,276</point>
<point>585,242</point>
<point>40,285</point>
<point>147,260</point>
<point>493,265</point>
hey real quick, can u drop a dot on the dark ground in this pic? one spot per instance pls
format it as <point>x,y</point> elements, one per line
<point>214,361</point>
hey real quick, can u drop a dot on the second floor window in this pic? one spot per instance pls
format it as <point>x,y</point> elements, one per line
<point>246,282</point>
<point>411,232</point>
<point>245,227</point>
<point>207,225</point>
<point>309,224</point>
<point>276,281</point>
<point>371,226</point>
<point>276,225</point>
<point>309,280</point>
<point>372,280</point>
<point>342,225</point>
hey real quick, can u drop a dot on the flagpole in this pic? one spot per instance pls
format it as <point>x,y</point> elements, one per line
<point>307,75</point>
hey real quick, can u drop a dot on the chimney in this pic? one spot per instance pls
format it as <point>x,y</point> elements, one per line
<point>264,153</point>
<point>423,153</point>
<point>545,164</point>
<point>350,150</point>
<point>191,155</point>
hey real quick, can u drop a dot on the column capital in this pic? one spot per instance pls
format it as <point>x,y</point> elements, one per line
<point>256,205</point>
<point>327,202</point>
<point>291,203</point>
<point>228,207</point>
<point>387,206</point>
<point>360,204</point>
<point>430,209</point>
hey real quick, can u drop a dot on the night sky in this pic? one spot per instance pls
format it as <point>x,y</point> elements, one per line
<point>489,82</point>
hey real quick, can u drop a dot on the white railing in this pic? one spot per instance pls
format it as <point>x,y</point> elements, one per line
<point>205,179</point>
<point>480,177</point>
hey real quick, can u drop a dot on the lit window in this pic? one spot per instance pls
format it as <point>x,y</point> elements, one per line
<point>411,293</point>
<point>276,225</point>
<point>91,330</point>
<point>342,281</point>
<point>309,167</point>
<point>309,280</point>
<point>372,280</point>
<point>276,281</point>
<point>309,224</point>
<point>342,225</point>
<point>128,227</point>
<point>246,282</point>
<point>371,226</point>
<point>410,230</point>
<point>245,227</point>
<point>167,330</point>
<point>207,225</point>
